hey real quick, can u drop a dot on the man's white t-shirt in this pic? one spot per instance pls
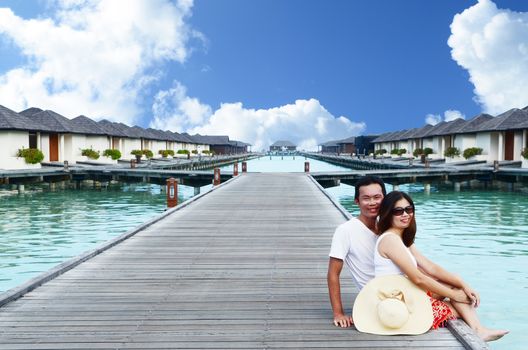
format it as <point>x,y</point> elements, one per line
<point>354,243</point>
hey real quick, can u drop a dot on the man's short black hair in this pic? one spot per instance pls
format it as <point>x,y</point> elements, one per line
<point>368,180</point>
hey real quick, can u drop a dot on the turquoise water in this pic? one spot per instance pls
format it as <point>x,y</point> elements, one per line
<point>286,164</point>
<point>483,237</point>
<point>40,228</point>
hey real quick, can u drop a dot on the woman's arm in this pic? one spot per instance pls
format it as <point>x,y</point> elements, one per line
<point>438,272</point>
<point>393,248</point>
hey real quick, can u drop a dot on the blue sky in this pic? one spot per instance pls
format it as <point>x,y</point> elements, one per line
<point>309,71</point>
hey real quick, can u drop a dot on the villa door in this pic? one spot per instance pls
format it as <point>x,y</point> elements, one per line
<point>54,147</point>
<point>508,145</point>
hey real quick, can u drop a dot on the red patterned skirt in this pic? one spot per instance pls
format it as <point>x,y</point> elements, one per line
<point>441,312</point>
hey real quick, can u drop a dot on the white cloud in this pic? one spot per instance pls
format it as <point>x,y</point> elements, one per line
<point>492,45</point>
<point>433,119</point>
<point>94,57</point>
<point>174,110</point>
<point>305,123</point>
<point>449,115</point>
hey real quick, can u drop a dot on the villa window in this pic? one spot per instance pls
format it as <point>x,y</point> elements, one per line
<point>33,140</point>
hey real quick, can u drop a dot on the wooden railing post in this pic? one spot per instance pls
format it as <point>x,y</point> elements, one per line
<point>172,192</point>
<point>216,179</point>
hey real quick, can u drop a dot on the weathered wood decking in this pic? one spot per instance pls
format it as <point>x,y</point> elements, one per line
<point>243,267</point>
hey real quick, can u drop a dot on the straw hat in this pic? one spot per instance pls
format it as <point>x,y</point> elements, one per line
<point>391,305</point>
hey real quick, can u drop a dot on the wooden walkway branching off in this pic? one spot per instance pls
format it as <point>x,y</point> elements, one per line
<point>243,267</point>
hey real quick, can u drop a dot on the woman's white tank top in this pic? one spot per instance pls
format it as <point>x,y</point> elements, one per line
<point>385,266</point>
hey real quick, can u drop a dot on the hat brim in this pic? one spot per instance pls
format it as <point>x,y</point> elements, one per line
<point>365,314</point>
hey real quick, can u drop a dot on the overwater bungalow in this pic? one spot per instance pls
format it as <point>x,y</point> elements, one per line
<point>239,147</point>
<point>18,132</point>
<point>61,139</point>
<point>221,144</point>
<point>344,146</point>
<point>329,147</point>
<point>501,138</point>
<point>69,138</point>
<point>282,145</point>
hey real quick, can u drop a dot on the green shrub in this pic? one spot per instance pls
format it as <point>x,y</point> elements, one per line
<point>115,154</point>
<point>380,152</point>
<point>471,152</point>
<point>418,152</point>
<point>427,151</point>
<point>137,152</point>
<point>194,151</point>
<point>90,153</point>
<point>451,152</point>
<point>166,152</point>
<point>183,151</point>
<point>31,155</point>
<point>148,153</point>
<point>524,153</point>
<point>399,151</point>
<point>206,151</point>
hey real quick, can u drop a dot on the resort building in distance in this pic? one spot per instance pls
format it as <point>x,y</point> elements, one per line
<point>280,146</point>
<point>353,145</point>
<point>488,138</point>
<point>61,139</point>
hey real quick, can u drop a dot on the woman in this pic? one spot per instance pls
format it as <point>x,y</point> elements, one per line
<point>396,253</point>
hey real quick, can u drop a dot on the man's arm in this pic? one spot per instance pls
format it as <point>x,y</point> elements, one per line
<point>334,290</point>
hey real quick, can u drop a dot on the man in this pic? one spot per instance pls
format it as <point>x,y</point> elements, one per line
<point>353,243</point>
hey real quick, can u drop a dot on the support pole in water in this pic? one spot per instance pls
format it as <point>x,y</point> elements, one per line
<point>132,163</point>
<point>495,165</point>
<point>306,167</point>
<point>427,188</point>
<point>235,169</point>
<point>172,192</point>
<point>457,186</point>
<point>216,179</point>
<point>21,188</point>
<point>244,167</point>
<point>196,191</point>
<point>396,187</point>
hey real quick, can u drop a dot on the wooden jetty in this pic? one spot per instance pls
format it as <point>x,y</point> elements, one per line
<point>192,172</point>
<point>242,266</point>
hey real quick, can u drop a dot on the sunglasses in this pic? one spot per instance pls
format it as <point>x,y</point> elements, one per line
<point>399,210</point>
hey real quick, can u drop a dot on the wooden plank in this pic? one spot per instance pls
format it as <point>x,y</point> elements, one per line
<point>242,267</point>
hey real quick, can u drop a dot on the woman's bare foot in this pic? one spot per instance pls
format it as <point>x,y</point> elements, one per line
<point>491,334</point>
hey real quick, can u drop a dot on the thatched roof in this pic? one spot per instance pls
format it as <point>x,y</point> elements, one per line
<point>422,131</point>
<point>474,124</point>
<point>30,111</point>
<point>282,143</point>
<point>513,119</point>
<point>11,120</point>
<point>57,123</point>
<point>112,128</point>
<point>90,126</point>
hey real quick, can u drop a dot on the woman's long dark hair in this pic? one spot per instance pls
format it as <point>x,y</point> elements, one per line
<point>385,216</point>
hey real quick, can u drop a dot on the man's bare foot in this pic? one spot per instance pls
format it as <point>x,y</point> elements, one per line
<point>491,334</point>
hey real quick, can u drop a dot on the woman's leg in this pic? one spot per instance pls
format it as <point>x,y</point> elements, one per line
<point>469,314</point>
